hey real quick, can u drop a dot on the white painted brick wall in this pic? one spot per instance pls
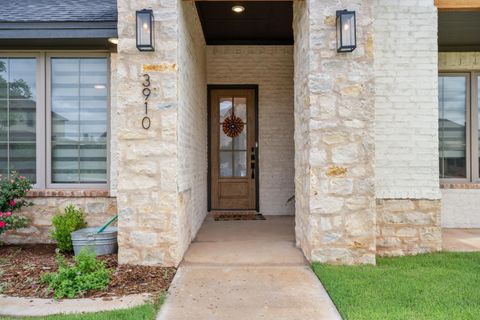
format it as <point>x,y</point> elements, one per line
<point>460,207</point>
<point>192,123</point>
<point>406,101</point>
<point>271,67</point>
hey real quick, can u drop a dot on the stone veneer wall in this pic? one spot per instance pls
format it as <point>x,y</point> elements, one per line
<point>147,194</point>
<point>192,124</point>
<point>408,226</point>
<point>98,208</point>
<point>301,115</point>
<point>406,124</point>
<point>336,146</point>
<point>271,67</point>
<point>460,203</point>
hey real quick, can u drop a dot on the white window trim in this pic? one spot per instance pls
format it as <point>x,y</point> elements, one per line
<point>43,108</point>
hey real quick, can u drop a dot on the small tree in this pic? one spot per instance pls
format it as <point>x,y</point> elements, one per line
<point>12,198</point>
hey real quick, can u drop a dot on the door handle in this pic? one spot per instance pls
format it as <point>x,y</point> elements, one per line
<point>253,158</point>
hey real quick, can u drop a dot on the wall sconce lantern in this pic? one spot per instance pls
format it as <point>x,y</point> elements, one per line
<point>346,31</point>
<point>145,27</point>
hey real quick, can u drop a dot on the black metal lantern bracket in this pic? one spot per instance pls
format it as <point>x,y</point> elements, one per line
<point>344,20</point>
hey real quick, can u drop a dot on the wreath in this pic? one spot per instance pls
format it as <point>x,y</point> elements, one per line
<point>232,126</point>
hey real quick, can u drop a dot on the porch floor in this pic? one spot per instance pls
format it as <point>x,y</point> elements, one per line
<point>246,270</point>
<point>461,240</point>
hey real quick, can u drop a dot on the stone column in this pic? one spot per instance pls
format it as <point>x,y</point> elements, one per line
<point>147,159</point>
<point>334,135</point>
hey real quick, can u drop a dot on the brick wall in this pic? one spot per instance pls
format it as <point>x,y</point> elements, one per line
<point>192,124</point>
<point>271,67</point>
<point>406,99</point>
<point>406,127</point>
<point>460,206</point>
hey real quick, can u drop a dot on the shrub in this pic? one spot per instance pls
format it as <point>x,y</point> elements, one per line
<point>64,224</point>
<point>12,192</point>
<point>75,279</point>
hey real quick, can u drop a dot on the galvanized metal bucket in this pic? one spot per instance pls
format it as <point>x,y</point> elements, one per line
<point>101,243</point>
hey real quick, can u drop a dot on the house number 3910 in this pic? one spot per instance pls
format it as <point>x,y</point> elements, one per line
<point>146,94</point>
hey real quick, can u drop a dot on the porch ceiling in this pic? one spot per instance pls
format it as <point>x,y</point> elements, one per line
<point>262,22</point>
<point>459,31</point>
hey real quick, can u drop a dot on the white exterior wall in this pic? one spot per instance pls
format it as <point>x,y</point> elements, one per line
<point>192,124</point>
<point>460,207</point>
<point>406,100</point>
<point>271,67</point>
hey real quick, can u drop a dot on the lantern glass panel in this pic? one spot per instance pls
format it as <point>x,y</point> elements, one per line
<point>348,29</point>
<point>144,30</point>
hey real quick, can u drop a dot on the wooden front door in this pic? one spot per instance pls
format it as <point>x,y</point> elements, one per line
<point>233,156</point>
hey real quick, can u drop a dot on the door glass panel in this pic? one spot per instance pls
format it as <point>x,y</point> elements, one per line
<point>226,164</point>
<point>240,141</point>
<point>225,108</point>
<point>452,126</point>
<point>240,161</point>
<point>240,104</point>
<point>225,141</point>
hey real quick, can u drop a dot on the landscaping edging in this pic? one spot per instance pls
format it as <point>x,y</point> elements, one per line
<point>22,307</point>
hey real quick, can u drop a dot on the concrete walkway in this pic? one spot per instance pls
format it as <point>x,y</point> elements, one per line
<point>34,307</point>
<point>246,270</point>
<point>461,240</point>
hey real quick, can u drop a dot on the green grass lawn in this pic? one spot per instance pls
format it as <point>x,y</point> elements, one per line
<point>145,312</point>
<point>430,286</point>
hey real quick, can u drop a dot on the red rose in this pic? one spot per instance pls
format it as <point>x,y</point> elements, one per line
<point>12,203</point>
<point>2,224</point>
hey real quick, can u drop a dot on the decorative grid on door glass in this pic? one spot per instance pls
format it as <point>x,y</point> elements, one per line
<point>233,151</point>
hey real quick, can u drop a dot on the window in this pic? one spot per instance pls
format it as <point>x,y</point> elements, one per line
<point>459,126</point>
<point>78,120</point>
<point>54,118</point>
<point>18,116</point>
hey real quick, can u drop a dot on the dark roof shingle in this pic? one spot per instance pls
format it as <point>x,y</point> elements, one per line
<point>58,10</point>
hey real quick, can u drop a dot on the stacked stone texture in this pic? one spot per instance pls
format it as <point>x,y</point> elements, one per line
<point>98,209</point>
<point>338,223</point>
<point>149,229</point>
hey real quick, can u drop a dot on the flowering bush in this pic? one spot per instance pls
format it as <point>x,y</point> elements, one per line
<point>12,193</point>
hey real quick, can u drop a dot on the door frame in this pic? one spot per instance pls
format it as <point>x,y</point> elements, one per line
<point>253,87</point>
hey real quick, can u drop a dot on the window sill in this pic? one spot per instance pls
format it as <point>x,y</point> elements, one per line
<point>73,193</point>
<point>469,185</point>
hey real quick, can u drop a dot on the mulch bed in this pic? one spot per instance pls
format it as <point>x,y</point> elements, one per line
<point>21,267</point>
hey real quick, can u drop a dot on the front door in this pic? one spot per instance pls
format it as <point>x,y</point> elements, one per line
<point>233,157</point>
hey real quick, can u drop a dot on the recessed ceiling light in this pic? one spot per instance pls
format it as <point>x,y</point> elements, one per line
<point>113,40</point>
<point>238,9</point>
